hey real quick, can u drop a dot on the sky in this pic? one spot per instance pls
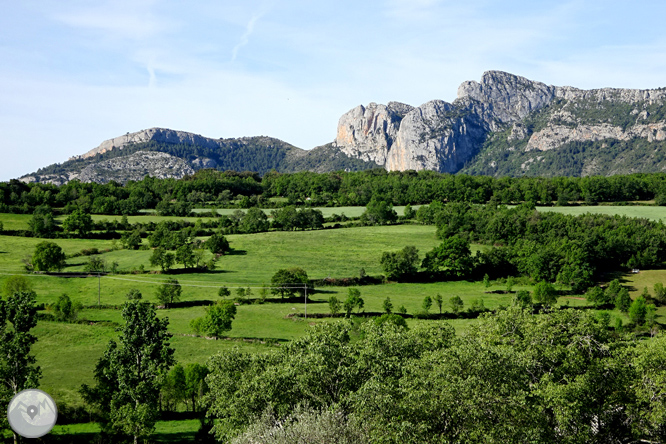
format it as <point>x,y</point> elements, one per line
<point>74,73</point>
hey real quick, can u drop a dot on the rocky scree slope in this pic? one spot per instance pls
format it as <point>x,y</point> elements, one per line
<point>509,125</point>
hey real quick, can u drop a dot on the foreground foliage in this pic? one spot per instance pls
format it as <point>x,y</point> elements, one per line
<point>559,377</point>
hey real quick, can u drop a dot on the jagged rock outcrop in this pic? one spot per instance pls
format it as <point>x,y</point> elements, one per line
<point>367,133</point>
<point>554,136</point>
<point>163,135</point>
<point>446,136</point>
<point>434,136</point>
<point>502,98</point>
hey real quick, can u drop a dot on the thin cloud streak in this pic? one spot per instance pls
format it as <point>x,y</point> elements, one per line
<point>245,38</point>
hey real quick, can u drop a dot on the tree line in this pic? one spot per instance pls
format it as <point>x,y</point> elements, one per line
<point>229,189</point>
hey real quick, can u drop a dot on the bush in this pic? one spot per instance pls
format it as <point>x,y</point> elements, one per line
<point>64,310</point>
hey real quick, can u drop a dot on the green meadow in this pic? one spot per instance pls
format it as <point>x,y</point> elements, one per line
<point>67,353</point>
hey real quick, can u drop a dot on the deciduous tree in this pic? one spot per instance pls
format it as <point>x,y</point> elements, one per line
<point>169,292</point>
<point>48,256</point>
<point>130,372</point>
<point>18,315</point>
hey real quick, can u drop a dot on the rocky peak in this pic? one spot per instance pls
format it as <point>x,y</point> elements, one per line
<point>152,134</point>
<point>502,98</point>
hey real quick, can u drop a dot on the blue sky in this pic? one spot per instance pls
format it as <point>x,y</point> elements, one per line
<point>75,73</point>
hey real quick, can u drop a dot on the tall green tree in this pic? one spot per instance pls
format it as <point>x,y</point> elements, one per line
<point>195,383</point>
<point>452,255</point>
<point>290,281</point>
<point>185,255</point>
<point>169,292</point>
<point>48,256</point>
<point>400,264</point>
<point>638,311</point>
<point>42,223</point>
<point>162,258</point>
<point>623,300</point>
<point>130,372</point>
<point>254,221</point>
<point>545,293</point>
<point>334,305</point>
<point>18,315</point>
<point>78,222</point>
<point>217,244</point>
<point>379,212</point>
<point>354,300</point>
<point>217,320</point>
<point>456,304</point>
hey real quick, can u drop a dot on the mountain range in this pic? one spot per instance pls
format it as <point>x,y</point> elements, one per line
<point>504,125</point>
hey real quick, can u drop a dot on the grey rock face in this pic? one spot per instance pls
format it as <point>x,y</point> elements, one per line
<point>203,162</point>
<point>501,98</point>
<point>434,136</point>
<point>367,133</point>
<point>135,167</point>
<point>153,134</point>
<point>443,137</point>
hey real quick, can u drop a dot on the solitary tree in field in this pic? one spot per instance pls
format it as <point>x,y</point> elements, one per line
<point>388,305</point>
<point>223,292</point>
<point>290,281</point>
<point>48,256</point>
<point>133,294</point>
<point>169,292</point>
<point>334,305</point>
<point>427,303</point>
<point>217,244</point>
<point>217,320</point>
<point>456,304</point>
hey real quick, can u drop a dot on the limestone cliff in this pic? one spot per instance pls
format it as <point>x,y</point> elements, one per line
<point>504,115</point>
<point>367,133</point>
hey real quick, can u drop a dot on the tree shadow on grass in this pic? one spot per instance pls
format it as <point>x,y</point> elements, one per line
<point>173,437</point>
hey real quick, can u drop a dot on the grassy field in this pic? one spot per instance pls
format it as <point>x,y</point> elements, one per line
<point>647,212</point>
<point>67,353</point>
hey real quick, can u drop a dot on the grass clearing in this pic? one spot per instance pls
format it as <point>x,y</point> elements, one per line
<point>647,212</point>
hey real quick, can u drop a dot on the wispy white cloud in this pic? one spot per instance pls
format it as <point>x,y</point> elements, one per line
<point>245,38</point>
